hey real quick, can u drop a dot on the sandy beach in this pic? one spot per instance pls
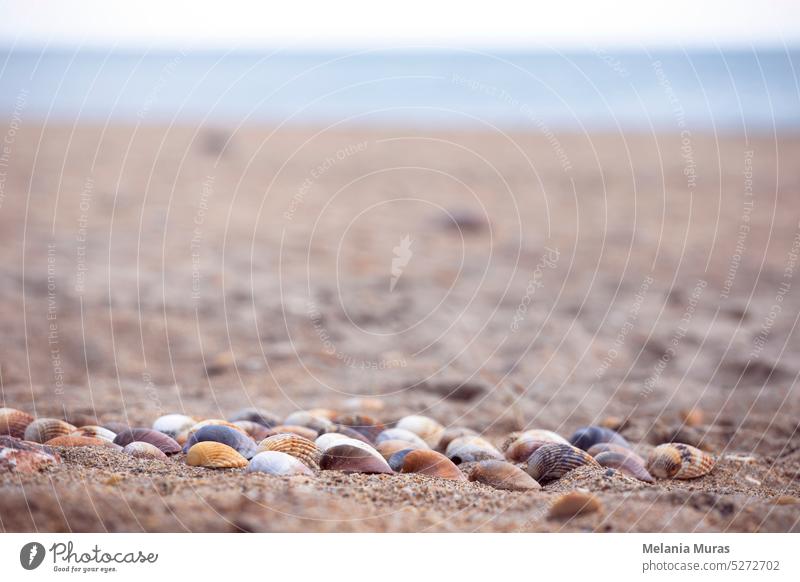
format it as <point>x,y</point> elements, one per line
<point>497,281</point>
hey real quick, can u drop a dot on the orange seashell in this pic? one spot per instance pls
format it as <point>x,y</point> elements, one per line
<point>692,417</point>
<point>350,458</point>
<point>95,431</point>
<point>144,450</point>
<point>573,504</point>
<point>502,475</point>
<point>13,422</point>
<point>294,445</point>
<point>388,448</point>
<point>76,441</point>
<point>44,429</point>
<point>302,431</point>
<point>679,461</point>
<point>433,464</point>
<point>25,457</point>
<point>214,455</point>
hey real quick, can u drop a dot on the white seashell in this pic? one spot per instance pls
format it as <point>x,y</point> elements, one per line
<point>173,424</point>
<point>329,439</point>
<point>424,427</point>
<point>401,434</point>
<point>277,463</point>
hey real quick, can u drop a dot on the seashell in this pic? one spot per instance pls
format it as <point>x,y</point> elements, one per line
<point>25,457</point>
<point>257,415</point>
<point>327,440</point>
<point>553,461</point>
<point>363,405</point>
<point>294,445</point>
<point>573,504</point>
<point>304,418</point>
<point>212,422</point>
<point>397,459</point>
<point>628,463</point>
<point>600,448</point>
<point>679,461</point>
<point>361,423</point>
<point>389,448</point>
<point>324,413</point>
<point>214,455</point>
<point>432,464</point>
<point>616,423</point>
<point>173,424</point>
<point>13,422</point>
<point>692,417</point>
<point>44,429</point>
<point>143,450</point>
<point>399,434</point>
<point>351,458</point>
<point>258,432</point>
<point>98,432</point>
<point>521,448</point>
<point>348,432</point>
<point>226,435</point>
<point>588,436</point>
<point>277,463</point>
<point>471,448</point>
<point>302,431</point>
<point>77,441</point>
<point>116,427</point>
<point>168,445</point>
<point>426,428</point>
<point>452,433</point>
<point>502,475</point>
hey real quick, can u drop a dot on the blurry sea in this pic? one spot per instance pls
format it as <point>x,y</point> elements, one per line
<point>722,91</point>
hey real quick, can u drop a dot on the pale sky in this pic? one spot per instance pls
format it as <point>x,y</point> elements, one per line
<point>347,24</point>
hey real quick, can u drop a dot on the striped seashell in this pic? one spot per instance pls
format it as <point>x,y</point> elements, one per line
<point>327,440</point>
<point>397,459</point>
<point>258,432</point>
<point>168,445</point>
<point>173,424</point>
<point>302,431</point>
<point>351,458</point>
<point>553,461</point>
<point>226,435</point>
<point>595,450</point>
<point>399,434</point>
<point>502,475</point>
<point>257,415</point>
<point>432,464</point>
<point>277,463</point>
<point>389,448</point>
<point>626,463</point>
<point>452,433</point>
<point>574,504</point>
<point>294,445</point>
<point>77,441</point>
<point>44,429</point>
<point>588,436</point>
<point>304,418</point>
<point>13,422</point>
<point>143,450</point>
<point>213,455</point>
<point>521,448</point>
<point>679,461</point>
<point>94,431</point>
<point>472,448</point>
<point>365,425</point>
<point>424,427</point>
<point>25,457</point>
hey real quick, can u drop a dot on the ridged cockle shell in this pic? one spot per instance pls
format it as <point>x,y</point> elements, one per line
<point>679,461</point>
<point>424,427</point>
<point>303,431</point>
<point>471,448</point>
<point>295,445</point>
<point>44,429</point>
<point>432,464</point>
<point>78,441</point>
<point>144,450</point>
<point>277,463</point>
<point>553,461</point>
<point>167,445</point>
<point>214,455</point>
<point>13,422</point>
<point>351,458</point>
<point>502,475</point>
<point>98,432</point>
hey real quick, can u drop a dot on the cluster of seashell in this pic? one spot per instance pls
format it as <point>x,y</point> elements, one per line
<point>308,441</point>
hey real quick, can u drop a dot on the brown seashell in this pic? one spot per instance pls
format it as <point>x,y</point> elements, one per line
<point>349,458</point>
<point>679,461</point>
<point>76,441</point>
<point>502,475</point>
<point>424,427</point>
<point>167,445</point>
<point>302,431</point>
<point>471,448</point>
<point>573,504</point>
<point>95,431</point>
<point>527,442</point>
<point>258,432</point>
<point>626,463</point>
<point>595,450</point>
<point>25,457</point>
<point>318,424</point>
<point>588,436</point>
<point>213,455</point>
<point>367,426</point>
<point>452,433</point>
<point>277,463</point>
<point>692,417</point>
<point>432,464</point>
<point>388,448</point>
<point>13,422</point>
<point>143,450</point>
<point>257,415</point>
<point>553,461</point>
<point>294,445</point>
<point>44,429</point>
